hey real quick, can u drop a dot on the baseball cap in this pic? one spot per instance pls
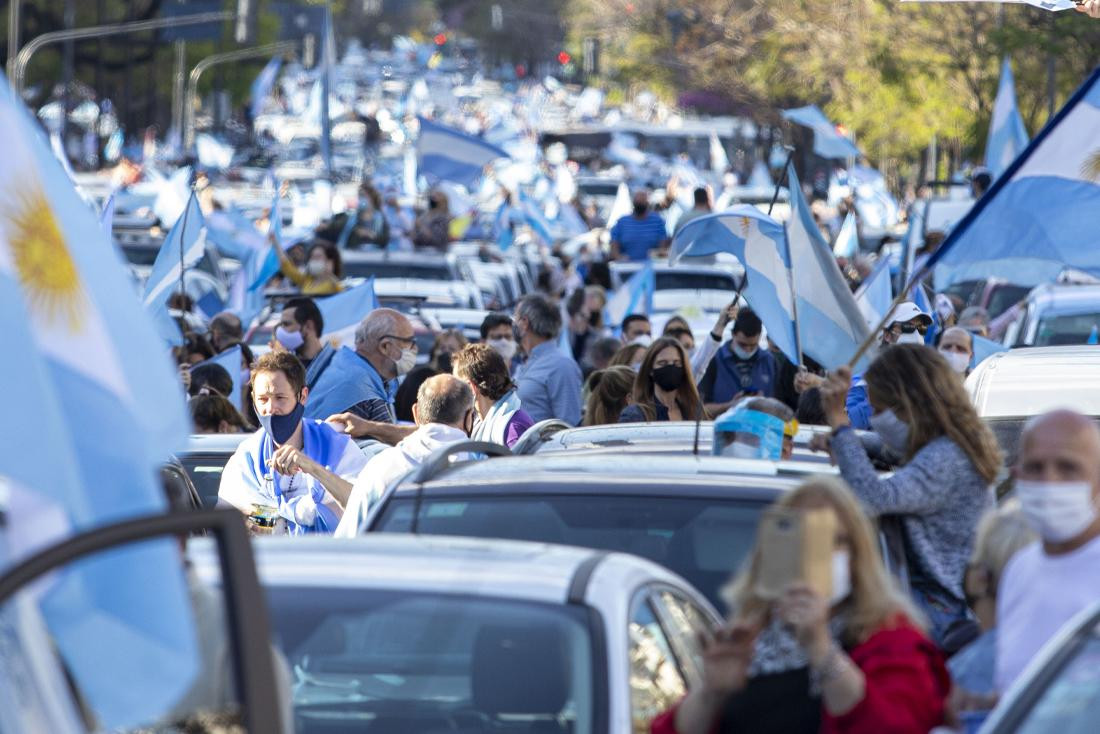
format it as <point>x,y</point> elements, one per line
<point>907,311</point>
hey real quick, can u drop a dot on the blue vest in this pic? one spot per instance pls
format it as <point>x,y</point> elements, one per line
<point>732,377</point>
<point>348,380</point>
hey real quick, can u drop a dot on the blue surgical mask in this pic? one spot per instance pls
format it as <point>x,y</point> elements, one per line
<point>291,340</point>
<point>744,353</point>
<point>282,427</point>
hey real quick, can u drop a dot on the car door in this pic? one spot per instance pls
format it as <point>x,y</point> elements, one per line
<point>55,626</point>
<point>684,618</point>
<point>657,681</point>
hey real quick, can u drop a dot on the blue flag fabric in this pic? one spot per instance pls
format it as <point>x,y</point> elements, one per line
<point>187,236</point>
<point>985,348</point>
<point>270,262</point>
<point>107,217</point>
<point>759,242</point>
<point>876,293</point>
<point>262,85</point>
<point>633,296</point>
<point>343,311</point>
<point>830,326</point>
<point>847,240</point>
<point>445,154</point>
<point>1007,135</point>
<point>94,411</point>
<point>1038,219</point>
<point>828,142</point>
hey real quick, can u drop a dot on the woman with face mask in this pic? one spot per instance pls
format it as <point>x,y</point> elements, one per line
<point>664,389</point>
<point>950,461</point>
<point>323,269</point>
<point>857,661</point>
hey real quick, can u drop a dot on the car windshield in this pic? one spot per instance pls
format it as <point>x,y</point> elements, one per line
<point>1070,703</point>
<point>384,269</point>
<point>388,661</point>
<point>1068,329</point>
<point>669,281</point>
<point>205,471</point>
<point>140,254</point>
<point>703,540</point>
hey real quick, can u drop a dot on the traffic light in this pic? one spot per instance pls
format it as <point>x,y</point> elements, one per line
<point>564,58</point>
<point>440,39</point>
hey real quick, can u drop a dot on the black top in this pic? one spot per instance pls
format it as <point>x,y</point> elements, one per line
<point>406,393</point>
<point>773,704</point>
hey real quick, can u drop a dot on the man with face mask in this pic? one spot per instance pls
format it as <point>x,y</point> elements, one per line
<point>1047,583</point>
<point>549,383</point>
<point>907,325</point>
<point>300,469</point>
<point>225,331</point>
<point>498,333</point>
<point>299,331</point>
<point>636,329</point>
<point>957,347</point>
<point>740,368</point>
<point>633,236</point>
<point>444,415</point>
<point>356,392</point>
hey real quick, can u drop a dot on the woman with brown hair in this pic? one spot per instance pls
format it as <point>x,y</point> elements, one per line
<point>857,661</point>
<point>664,389</point>
<point>609,393</point>
<point>921,412</point>
<point>629,355</point>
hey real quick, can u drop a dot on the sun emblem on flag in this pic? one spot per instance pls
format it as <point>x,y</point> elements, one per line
<point>43,264</point>
<point>1091,168</point>
<point>746,225</point>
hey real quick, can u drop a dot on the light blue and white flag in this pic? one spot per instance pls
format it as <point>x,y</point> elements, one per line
<point>446,154</point>
<point>633,296</point>
<point>830,325</point>
<point>535,218</point>
<point>212,153</point>
<point>184,246</point>
<point>719,161</point>
<point>93,410</point>
<point>1007,135</point>
<point>759,242</point>
<point>263,84</point>
<point>847,239</point>
<point>172,195</point>
<point>875,293</point>
<point>984,348</point>
<point>828,142</point>
<point>621,207</point>
<point>1039,218</point>
<point>343,312</point>
<point>270,262</point>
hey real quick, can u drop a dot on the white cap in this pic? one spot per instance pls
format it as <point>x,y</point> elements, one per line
<point>906,311</point>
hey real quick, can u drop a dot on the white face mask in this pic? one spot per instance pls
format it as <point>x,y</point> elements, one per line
<point>406,361</point>
<point>842,577</point>
<point>289,339</point>
<point>959,362</point>
<point>1059,511</point>
<point>893,431</point>
<point>913,337</point>
<point>744,353</point>
<point>643,340</point>
<point>505,348</point>
<point>316,268</point>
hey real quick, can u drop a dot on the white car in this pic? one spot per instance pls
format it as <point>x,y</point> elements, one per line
<point>415,634</point>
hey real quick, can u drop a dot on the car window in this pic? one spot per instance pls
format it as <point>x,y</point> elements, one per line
<point>668,281</point>
<point>703,540</point>
<point>1004,297</point>
<point>401,661</point>
<point>655,681</point>
<point>685,621</point>
<point>1070,704</point>
<point>1068,329</point>
<point>205,471</point>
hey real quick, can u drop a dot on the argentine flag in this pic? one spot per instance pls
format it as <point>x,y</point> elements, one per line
<point>445,154</point>
<point>847,240</point>
<point>92,411</point>
<point>183,248</point>
<point>343,311</point>
<point>759,242</point>
<point>828,142</point>
<point>1040,217</point>
<point>633,296</point>
<point>830,326</point>
<point>1007,136</point>
<point>875,293</point>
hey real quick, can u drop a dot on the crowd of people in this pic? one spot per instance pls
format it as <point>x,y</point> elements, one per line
<point>989,579</point>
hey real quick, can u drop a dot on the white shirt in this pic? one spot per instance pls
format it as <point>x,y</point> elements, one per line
<point>392,464</point>
<point>1038,594</point>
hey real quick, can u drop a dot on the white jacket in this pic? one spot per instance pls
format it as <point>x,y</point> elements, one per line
<point>390,465</point>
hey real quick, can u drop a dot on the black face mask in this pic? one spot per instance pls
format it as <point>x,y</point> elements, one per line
<point>669,378</point>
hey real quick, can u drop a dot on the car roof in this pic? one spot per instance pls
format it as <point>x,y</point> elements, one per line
<point>425,563</point>
<point>636,434</point>
<point>198,443</point>
<point>1032,380</point>
<point>1055,298</point>
<point>410,258</point>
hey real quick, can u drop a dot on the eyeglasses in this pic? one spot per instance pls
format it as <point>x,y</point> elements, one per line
<point>411,341</point>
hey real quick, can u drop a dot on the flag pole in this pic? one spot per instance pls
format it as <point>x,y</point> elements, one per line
<point>794,298</point>
<point>775,196</point>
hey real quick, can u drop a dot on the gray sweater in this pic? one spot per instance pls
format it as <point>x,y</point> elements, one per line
<point>938,496</point>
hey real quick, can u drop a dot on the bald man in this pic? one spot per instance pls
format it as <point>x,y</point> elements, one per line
<point>444,415</point>
<point>957,347</point>
<point>1045,584</point>
<point>356,391</point>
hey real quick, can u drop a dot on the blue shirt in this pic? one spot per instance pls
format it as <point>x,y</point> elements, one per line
<point>549,385</point>
<point>351,383</point>
<point>858,404</point>
<point>636,237</point>
<point>727,376</point>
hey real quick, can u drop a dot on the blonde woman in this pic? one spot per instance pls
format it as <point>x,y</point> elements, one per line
<point>950,460</point>
<point>857,662</point>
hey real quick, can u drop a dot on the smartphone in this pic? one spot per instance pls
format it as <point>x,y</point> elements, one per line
<point>796,545</point>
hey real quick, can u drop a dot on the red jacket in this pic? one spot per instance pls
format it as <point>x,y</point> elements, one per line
<point>906,687</point>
